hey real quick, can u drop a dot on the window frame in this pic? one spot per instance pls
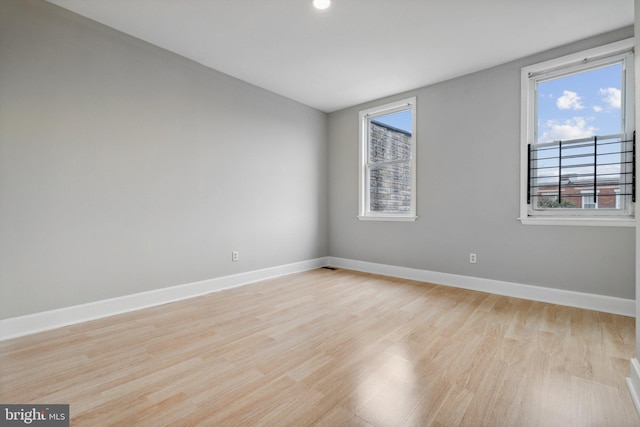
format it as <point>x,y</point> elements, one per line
<point>621,51</point>
<point>365,116</point>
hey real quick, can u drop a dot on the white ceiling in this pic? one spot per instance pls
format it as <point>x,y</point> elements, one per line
<point>357,50</point>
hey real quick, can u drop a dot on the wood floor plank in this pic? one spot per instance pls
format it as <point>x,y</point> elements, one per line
<point>333,348</point>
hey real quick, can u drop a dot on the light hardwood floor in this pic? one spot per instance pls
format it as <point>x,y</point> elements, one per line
<point>333,348</point>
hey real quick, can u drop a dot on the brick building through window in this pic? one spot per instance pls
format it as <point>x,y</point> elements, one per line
<point>390,186</point>
<point>578,194</point>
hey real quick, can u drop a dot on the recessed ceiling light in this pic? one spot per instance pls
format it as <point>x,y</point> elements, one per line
<point>321,4</point>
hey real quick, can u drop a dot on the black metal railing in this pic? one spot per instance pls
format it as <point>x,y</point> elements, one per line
<point>565,170</point>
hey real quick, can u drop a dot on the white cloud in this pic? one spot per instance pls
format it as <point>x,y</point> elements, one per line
<point>573,128</point>
<point>569,101</point>
<point>597,108</point>
<point>612,96</point>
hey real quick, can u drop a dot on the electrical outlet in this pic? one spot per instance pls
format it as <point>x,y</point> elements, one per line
<point>473,258</point>
<point>235,256</point>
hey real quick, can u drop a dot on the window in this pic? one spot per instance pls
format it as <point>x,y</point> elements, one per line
<point>588,201</point>
<point>578,139</point>
<point>388,162</point>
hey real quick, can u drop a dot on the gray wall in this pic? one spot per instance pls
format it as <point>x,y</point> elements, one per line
<point>468,194</point>
<point>125,168</point>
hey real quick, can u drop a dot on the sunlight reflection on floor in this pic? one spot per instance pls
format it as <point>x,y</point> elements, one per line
<point>388,395</point>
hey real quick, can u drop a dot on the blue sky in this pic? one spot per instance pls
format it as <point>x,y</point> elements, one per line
<point>400,120</point>
<point>580,105</point>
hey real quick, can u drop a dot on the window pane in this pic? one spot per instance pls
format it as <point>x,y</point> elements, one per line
<point>580,105</point>
<point>570,108</point>
<point>588,202</point>
<point>390,188</point>
<point>387,142</point>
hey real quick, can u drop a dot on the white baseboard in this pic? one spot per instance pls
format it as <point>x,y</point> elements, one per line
<point>633,382</point>
<point>625,307</point>
<point>38,322</point>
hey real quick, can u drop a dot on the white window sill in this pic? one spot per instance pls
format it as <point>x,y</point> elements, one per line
<point>386,218</point>
<point>598,222</point>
